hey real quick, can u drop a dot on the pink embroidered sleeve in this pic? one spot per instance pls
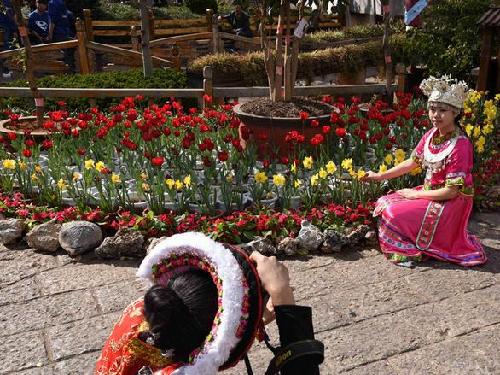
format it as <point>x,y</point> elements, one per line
<point>459,164</point>
<point>418,153</point>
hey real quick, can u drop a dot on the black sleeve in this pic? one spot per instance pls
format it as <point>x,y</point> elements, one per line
<point>295,324</point>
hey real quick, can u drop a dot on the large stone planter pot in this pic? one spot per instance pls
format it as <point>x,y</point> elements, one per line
<point>277,128</point>
<point>37,134</point>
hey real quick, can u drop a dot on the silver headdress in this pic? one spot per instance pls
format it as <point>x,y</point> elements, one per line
<point>445,90</point>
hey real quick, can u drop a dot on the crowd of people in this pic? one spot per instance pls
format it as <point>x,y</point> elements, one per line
<point>49,21</point>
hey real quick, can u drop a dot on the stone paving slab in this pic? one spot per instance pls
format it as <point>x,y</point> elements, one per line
<point>373,317</point>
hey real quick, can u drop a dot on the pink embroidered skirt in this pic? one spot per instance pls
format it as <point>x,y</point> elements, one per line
<point>414,227</point>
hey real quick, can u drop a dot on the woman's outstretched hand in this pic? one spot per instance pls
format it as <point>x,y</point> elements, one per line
<point>372,176</point>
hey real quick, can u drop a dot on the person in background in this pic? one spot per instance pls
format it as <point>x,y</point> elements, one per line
<point>9,28</point>
<point>60,29</point>
<point>239,20</point>
<point>39,23</point>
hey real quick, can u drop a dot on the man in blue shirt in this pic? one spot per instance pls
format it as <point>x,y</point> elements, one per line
<point>39,23</point>
<point>59,30</point>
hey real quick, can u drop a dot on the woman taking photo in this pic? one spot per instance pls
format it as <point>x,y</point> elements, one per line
<point>431,220</point>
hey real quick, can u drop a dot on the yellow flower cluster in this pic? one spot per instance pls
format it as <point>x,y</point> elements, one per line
<point>178,184</point>
<point>400,156</point>
<point>279,179</point>
<point>308,162</point>
<point>9,164</point>
<point>260,177</point>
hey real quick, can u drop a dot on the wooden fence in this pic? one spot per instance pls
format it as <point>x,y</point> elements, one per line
<point>217,93</point>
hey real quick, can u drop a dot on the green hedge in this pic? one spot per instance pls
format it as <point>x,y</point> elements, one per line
<point>161,78</point>
<point>118,11</point>
<point>249,69</point>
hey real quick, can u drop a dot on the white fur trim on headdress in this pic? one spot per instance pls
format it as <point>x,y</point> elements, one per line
<point>445,90</point>
<point>216,352</point>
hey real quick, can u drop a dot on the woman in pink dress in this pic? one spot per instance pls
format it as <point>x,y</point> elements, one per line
<point>431,220</point>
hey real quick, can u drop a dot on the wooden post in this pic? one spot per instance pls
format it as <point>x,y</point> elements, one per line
<point>277,93</point>
<point>208,88</point>
<point>209,16</point>
<point>401,72</point>
<point>82,47</point>
<point>30,71</point>
<point>134,38</point>
<point>147,62</point>
<point>215,34</point>
<point>151,18</point>
<point>485,59</point>
<point>87,20</point>
<point>387,49</point>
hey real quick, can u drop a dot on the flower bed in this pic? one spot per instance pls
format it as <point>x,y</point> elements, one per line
<point>163,169</point>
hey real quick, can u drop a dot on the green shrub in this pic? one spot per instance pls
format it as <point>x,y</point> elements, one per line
<point>161,78</point>
<point>200,6</point>
<point>449,42</point>
<point>130,11</point>
<point>249,69</point>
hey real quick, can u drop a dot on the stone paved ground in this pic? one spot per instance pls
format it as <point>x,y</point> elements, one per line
<point>373,317</point>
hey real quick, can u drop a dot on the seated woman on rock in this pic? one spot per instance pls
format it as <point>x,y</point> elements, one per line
<point>431,220</point>
<point>205,310</point>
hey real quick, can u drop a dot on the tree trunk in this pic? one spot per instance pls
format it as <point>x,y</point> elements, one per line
<point>387,49</point>
<point>147,62</point>
<point>30,74</point>
<point>277,94</point>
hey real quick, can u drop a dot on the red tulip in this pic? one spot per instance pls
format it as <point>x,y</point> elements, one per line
<point>314,123</point>
<point>340,132</point>
<point>157,161</point>
<point>27,152</point>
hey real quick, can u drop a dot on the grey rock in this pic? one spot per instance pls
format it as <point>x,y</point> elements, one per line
<point>125,243</point>
<point>333,242</point>
<point>152,242</point>
<point>358,234</point>
<point>78,237</point>
<point>262,245</point>
<point>45,237</point>
<point>11,230</point>
<point>310,237</point>
<point>288,246</point>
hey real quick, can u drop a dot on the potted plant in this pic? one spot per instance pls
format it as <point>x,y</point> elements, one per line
<point>281,112</point>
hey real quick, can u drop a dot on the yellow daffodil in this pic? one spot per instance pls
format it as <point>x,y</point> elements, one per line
<point>22,165</point>
<point>297,183</point>
<point>469,129</point>
<point>361,174</point>
<point>293,168</point>
<point>382,168</point>
<point>99,166</point>
<point>331,168</point>
<point>480,144</point>
<point>314,179</point>
<point>322,173</point>
<point>9,164</point>
<point>38,168</point>
<point>308,162</point>
<point>89,164</point>
<point>497,97</point>
<point>416,170</point>
<point>488,129</point>
<point>400,155</point>
<point>178,185</point>
<point>187,180</point>
<point>61,184</point>
<point>170,183</point>
<point>77,176</point>
<point>144,176</point>
<point>477,131</point>
<point>388,159</point>
<point>115,178</point>
<point>347,164</point>
<point>260,177</point>
<point>145,187</point>
<point>279,179</point>
<point>34,177</point>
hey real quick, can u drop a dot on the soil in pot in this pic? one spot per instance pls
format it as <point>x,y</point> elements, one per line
<point>276,120</point>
